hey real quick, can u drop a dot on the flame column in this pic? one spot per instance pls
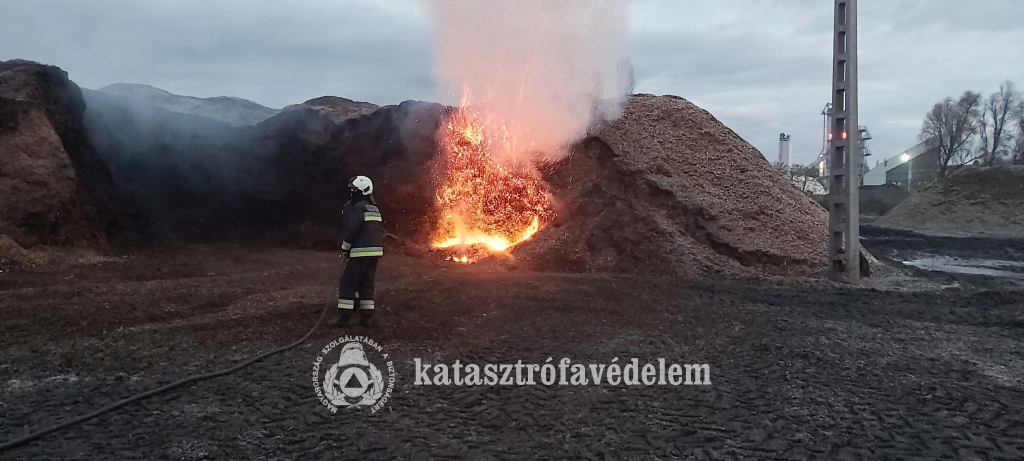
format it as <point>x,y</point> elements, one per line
<point>844,152</point>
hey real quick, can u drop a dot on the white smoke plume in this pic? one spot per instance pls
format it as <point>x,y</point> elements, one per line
<point>545,69</point>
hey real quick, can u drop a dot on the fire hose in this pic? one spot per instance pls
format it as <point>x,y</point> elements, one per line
<point>192,379</point>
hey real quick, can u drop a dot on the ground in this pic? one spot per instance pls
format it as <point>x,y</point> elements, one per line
<point>800,368</point>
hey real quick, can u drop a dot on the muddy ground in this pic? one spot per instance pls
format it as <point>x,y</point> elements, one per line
<point>888,240</point>
<point>800,368</point>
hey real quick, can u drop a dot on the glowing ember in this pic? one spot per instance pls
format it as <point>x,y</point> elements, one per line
<point>487,197</point>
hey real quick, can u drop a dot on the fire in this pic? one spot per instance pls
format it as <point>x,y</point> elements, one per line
<point>488,198</point>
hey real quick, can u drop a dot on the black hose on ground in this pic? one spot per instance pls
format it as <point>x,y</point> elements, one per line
<point>192,379</point>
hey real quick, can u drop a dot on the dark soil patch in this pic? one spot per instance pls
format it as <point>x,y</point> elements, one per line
<point>799,368</point>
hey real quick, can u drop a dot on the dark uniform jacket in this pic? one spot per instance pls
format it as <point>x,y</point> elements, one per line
<point>363,229</point>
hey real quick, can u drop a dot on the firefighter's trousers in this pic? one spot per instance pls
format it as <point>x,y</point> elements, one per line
<point>356,287</point>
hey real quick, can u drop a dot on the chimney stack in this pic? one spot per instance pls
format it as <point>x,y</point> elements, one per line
<point>784,150</point>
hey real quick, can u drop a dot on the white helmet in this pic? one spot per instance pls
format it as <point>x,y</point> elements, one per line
<point>362,184</point>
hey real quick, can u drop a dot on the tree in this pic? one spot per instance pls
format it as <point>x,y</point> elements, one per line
<point>1018,150</point>
<point>803,177</point>
<point>996,124</point>
<point>950,126</point>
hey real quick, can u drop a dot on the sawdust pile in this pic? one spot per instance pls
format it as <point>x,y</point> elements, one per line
<point>667,188</point>
<point>972,202</point>
<point>54,188</point>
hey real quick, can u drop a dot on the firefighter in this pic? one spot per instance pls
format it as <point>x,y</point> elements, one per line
<point>362,245</point>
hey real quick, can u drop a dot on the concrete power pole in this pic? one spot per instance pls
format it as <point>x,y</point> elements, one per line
<point>844,148</point>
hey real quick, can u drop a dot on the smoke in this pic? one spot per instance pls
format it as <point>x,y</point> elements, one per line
<point>543,70</point>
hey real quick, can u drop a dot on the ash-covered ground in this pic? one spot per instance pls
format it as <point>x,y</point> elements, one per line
<point>800,368</point>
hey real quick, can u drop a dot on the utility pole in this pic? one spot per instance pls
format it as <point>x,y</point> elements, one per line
<point>910,174</point>
<point>844,148</point>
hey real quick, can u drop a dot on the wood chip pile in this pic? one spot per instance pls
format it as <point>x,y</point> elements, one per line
<point>669,188</point>
<point>976,202</point>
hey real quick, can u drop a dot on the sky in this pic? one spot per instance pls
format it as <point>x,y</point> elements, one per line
<point>762,67</point>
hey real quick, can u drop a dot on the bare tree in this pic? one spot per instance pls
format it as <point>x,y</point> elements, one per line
<point>996,124</point>
<point>950,125</point>
<point>1018,149</point>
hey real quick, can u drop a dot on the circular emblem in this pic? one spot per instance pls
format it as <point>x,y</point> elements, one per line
<point>354,380</point>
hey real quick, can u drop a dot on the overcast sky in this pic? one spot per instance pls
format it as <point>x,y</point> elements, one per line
<point>760,66</point>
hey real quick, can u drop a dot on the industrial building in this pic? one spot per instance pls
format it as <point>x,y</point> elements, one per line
<point>910,170</point>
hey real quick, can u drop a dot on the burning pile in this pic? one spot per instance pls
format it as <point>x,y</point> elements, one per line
<point>538,74</point>
<point>489,199</point>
